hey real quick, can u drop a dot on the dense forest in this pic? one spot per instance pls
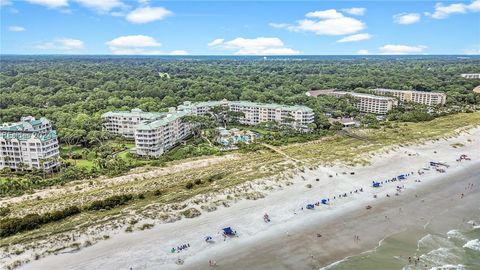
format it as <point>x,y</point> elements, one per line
<point>73,91</point>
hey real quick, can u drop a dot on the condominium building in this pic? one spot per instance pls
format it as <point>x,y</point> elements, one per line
<point>154,133</point>
<point>29,144</point>
<point>124,123</point>
<point>471,76</point>
<point>299,117</point>
<point>154,137</point>
<point>426,98</point>
<point>364,102</point>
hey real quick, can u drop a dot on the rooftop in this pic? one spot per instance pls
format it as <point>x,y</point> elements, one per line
<point>253,104</point>
<point>355,94</point>
<point>315,93</point>
<point>135,113</point>
<point>414,91</point>
<point>26,124</point>
<point>165,120</point>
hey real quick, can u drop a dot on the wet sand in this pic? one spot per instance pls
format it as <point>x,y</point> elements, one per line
<point>302,249</point>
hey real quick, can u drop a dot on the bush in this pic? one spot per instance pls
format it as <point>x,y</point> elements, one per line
<point>11,226</point>
<point>4,211</point>
<point>189,185</point>
<point>198,182</point>
<point>110,202</point>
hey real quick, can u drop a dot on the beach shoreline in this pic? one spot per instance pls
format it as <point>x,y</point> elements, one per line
<point>290,240</point>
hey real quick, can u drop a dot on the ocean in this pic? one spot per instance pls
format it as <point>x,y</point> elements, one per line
<point>448,241</point>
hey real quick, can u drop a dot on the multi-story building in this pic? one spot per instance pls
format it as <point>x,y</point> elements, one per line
<point>124,123</point>
<point>154,133</point>
<point>299,117</point>
<point>154,137</point>
<point>426,98</point>
<point>364,102</point>
<point>29,144</point>
<point>471,76</point>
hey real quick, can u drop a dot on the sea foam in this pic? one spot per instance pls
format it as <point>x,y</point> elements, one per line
<point>473,245</point>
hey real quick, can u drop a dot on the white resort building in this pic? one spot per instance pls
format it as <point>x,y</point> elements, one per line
<point>29,144</point>
<point>154,133</point>
<point>299,117</point>
<point>124,123</point>
<point>471,76</point>
<point>154,137</point>
<point>426,98</point>
<point>366,103</point>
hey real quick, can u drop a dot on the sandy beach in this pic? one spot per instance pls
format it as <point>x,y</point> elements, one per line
<point>296,237</point>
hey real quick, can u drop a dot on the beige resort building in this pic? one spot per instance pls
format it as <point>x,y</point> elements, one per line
<point>426,98</point>
<point>299,117</point>
<point>365,103</point>
<point>29,144</point>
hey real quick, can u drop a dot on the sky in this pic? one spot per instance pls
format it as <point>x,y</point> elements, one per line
<point>154,27</point>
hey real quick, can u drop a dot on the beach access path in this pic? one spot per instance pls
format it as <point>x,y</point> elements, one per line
<point>290,240</point>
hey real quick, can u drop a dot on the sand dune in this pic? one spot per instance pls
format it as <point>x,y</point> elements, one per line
<point>290,240</point>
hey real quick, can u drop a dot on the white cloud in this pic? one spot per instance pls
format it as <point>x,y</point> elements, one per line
<point>216,42</point>
<point>178,52</point>
<point>148,14</point>
<point>401,49</point>
<point>363,52</point>
<point>278,25</point>
<point>254,46</point>
<point>472,51</point>
<point>102,6</point>
<point>355,11</point>
<point>5,3</point>
<point>68,45</point>
<point>406,18</point>
<point>329,27</point>
<point>325,14</point>
<point>325,22</point>
<point>475,49</point>
<point>356,37</point>
<point>50,3</point>
<point>442,12</point>
<point>134,41</point>
<point>134,44</point>
<point>16,28</point>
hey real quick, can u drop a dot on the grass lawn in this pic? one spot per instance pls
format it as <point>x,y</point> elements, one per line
<point>74,149</point>
<point>82,163</point>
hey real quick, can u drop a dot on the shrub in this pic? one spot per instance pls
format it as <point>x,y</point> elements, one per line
<point>4,211</point>
<point>110,202</point>
<point>189,185</point>
<point>146,226</point>
<point>11,226</point>
<point>198,182</point>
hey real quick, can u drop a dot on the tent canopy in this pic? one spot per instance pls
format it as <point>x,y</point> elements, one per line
<point>228,231</point>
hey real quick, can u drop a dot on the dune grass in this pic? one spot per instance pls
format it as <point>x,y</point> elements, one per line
<point>214,177</point>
